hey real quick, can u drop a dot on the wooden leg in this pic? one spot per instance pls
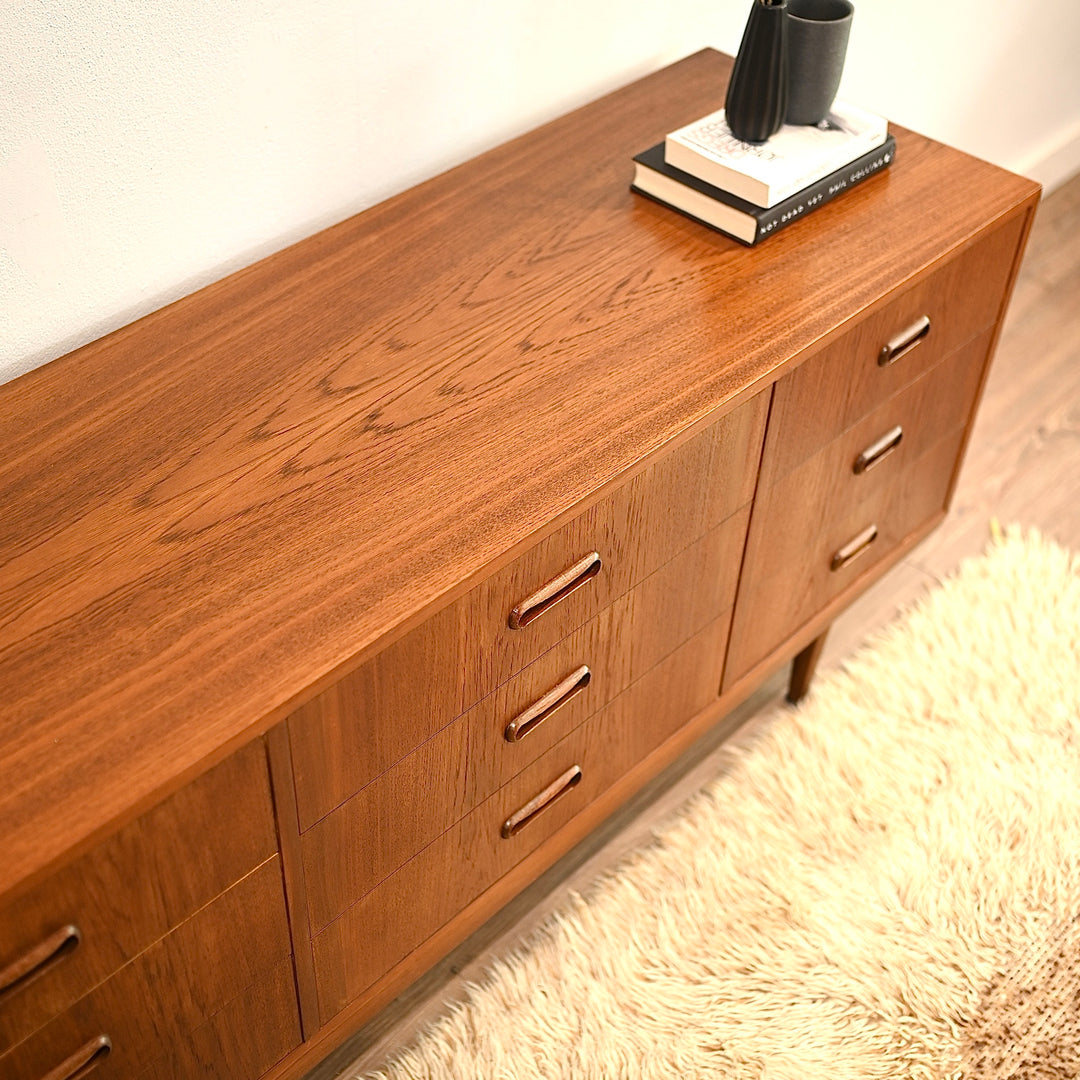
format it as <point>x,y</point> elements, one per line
<point>802,668</point>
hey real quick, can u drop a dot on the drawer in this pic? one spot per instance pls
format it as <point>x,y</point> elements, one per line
<point>644,524</point>
<point>86,921</point>
<point>362,842</point>
<point>891,470</point>
<point>343,739</point>
<point>148,1011</point>
<point>628,640</point>
<point>402,912</point>
<point>832,390</point>
<point>243,1040</point>
<point>821,528</point>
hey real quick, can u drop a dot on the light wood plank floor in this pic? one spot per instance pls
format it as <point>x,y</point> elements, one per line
<point>1022,465</point>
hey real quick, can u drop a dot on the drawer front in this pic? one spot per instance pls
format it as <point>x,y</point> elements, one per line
<point>831,391</point>
<point>406,909</point>
<point>891,470</point>
<point>149,1008</point>
<point>243,1040</point>
<point>818,535</point>
<point>358,845</point>
<point>629,639</point>
<point>341,740</point>
<point>90,918</point>
<point>643,525</point>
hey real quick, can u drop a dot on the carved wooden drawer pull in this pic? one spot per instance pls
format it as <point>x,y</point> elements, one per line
<point>84,1059</point>
<point>551,702</point>
<point>554,791</point>
<point>904,342</point>
<point>558,588</point>
<point>39,959</point>
<point>878,450</point>
<point>854,548</point>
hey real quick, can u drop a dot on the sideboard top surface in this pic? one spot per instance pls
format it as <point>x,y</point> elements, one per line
<point>211,511</point>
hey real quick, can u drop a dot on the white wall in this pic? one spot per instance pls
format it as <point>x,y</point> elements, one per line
<point>148,147</point>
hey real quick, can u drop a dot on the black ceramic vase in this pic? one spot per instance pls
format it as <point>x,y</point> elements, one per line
<point>757,93</point>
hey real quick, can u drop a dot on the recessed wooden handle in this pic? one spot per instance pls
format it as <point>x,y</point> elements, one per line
<point>904,342</point>
<point>878,450</point>
<point>535,806</point>
<point>37,960</point>
<point>551,702</point>
<point>558,588</point>
<point>82,1061</point>
<point>854,548</point>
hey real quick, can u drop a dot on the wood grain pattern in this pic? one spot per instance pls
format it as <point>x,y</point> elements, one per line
<point>351,850</point>
<point>666,609</point>
<point>803,520</point>
<point>1019,465</point>
<point>864,575</point>
<point>830,391</point>
<point>131,890</point>
<point>362,842</point>
<point>810,515</point>
<point>245,1038</point>
<point>214,513</point>
<point>337,745</point>
<point>429,890</point>
<point>639,527</point>
<point>174,987</point>
<point>1024,453</point>
<point>714,719</point>
<point>339,740</point>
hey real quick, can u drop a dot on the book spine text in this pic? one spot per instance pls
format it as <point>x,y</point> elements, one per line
<point>829,187</point>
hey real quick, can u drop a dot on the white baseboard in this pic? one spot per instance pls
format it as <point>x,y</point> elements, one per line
<point>1055,162</point>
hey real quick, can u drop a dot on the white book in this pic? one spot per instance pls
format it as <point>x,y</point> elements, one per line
<point>791,160</point>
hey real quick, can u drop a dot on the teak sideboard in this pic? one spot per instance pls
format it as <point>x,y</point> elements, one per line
<point>342,597</point>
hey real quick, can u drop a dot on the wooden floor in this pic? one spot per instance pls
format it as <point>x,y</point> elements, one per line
<point>1023,466</point>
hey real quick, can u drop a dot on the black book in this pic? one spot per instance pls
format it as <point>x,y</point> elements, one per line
<point>736,217</point>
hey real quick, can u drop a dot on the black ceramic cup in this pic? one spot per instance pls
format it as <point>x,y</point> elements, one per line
<point>817,37</point>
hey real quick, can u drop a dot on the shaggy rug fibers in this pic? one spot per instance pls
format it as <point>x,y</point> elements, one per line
<point>886,884</point>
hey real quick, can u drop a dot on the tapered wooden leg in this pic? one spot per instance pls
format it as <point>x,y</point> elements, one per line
<point>802,668</point>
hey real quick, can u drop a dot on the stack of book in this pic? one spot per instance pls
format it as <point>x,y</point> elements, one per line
<point>750,191</point>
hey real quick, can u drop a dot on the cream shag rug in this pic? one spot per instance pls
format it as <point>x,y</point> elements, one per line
<point>887,883</point>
